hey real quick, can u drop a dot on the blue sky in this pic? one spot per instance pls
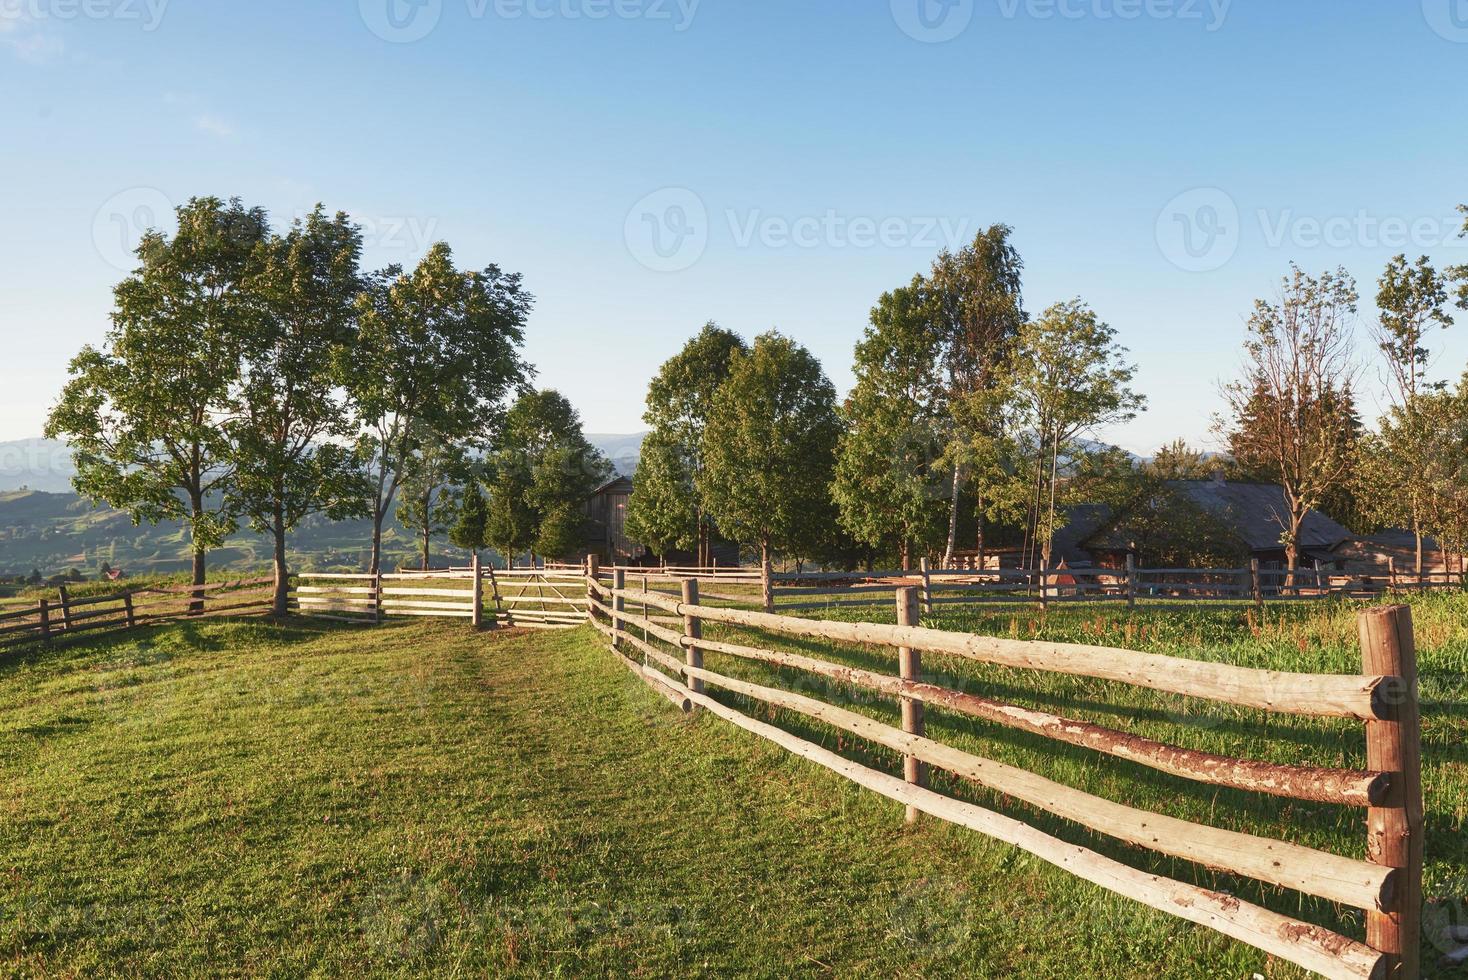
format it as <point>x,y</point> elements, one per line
<point>1163,159</point>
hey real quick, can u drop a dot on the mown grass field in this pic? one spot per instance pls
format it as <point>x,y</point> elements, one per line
<point>246,798</point>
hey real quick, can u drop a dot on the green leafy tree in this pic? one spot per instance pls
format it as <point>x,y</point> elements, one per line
<point>1291,417</point>
<point>288,421</point>
<point>544,472</point>
<point>888,486</point>
<point>977,303</point>
<point>471,529</point>
<point>770,451</point>
<point>1069,378</point>
<point>1179,461</point>
<point>144,414</point>
<point>679,400</point>
<point>663,511</point>
<point>428,499</point>
<point>437,354</point>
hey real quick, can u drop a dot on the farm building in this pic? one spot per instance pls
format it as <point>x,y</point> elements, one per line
<point>606,532</point>
<point>1253,515</point>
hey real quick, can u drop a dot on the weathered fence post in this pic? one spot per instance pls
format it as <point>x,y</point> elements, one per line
<point>927,571</point>
<point>767,585</point>
<point>1394,831</point>
<point>619,604</point>
<point>1256,582</point>
<point>65,607</point>
<point>1131,581</point>
<point>1391,572</point>
<point>478,619</point>
<point>127,607</point>
<point>909,666</point>
<point>693,629</point>
<point>1044,585</point>
<point>593,570</point>
<point>43,608</point>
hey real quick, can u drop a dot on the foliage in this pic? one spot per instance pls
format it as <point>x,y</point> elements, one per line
<point>428,502</point>
<point>1291,416</point>
<point>471,529</point>
<point>666,510</point>
<point>143,413</point>
<point>769,450</point>
<point>437,354</point>
<point>1178,461</point>
<point>544,471</point>
<point>287,420</point>
<point>888,477</point>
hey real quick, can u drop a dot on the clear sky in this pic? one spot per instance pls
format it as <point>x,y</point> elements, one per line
<point>653,164</point>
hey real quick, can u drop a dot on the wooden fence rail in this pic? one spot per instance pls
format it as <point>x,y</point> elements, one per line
<point>1386,885</point>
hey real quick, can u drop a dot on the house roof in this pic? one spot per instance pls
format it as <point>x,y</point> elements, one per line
<point>1259,513</point>
<point>614,481</point>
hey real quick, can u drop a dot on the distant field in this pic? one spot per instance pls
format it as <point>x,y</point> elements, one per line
<point>415,799</point>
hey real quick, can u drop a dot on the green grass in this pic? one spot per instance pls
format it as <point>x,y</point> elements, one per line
<point>244,798</point>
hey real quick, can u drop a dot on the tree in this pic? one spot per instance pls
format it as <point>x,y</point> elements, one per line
<point>544,472</point>
<point>471,530</point>
<point>428,501</point>
<point>976,297</point>
<point>437,354</point>
<point>663,511</point>
<point>1178,461</point>
<point>288,418</point>
<point>1291,416</point>
<point>769,450</point>
<point>145,414</point>
<point>887,479</point>
<point>1069,377</point>
<point>1411,299</point>
<point>679,400</point>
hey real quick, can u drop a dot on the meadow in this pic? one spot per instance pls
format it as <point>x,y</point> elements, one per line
<point>246,797</point>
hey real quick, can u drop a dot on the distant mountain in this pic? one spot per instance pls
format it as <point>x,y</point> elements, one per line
<point>45,464</point>
<point>622,450</point>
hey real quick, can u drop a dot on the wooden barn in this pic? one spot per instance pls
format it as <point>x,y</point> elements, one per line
<point>606,524</point>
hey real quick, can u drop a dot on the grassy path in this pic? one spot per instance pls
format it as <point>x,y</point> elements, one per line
<point>245,799</point>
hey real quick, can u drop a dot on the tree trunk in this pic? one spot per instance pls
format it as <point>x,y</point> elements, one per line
<point>979,535</point>
<point>282,573</point>
<point>952,520</point>
<point>906,555</point>
<point>375,565</point>
<point>766,567</point>
<point>196,509</point>
<point>1417,533</point>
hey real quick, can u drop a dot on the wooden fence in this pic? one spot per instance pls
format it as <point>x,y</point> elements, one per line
<point>668,651</point>
<point>65,618</point>
<point>538,598</point>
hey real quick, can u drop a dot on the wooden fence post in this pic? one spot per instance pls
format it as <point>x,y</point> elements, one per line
<point>65,607</point>
<point>1044,585</point>
<point>478,620</point>
<point>693,629</point>
<point>1257,582</point>
<point>909,664</point>
<point>44,609</point>
<point>619,605</point>
<point>377,597</point>
<point>127,607</point>
<point>1131,581</point>
<point>1391,572</point>
<point>1394,831</point>
<point>927,571</point>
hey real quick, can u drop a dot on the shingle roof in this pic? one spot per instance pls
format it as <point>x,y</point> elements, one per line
<point>1259,514</point>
